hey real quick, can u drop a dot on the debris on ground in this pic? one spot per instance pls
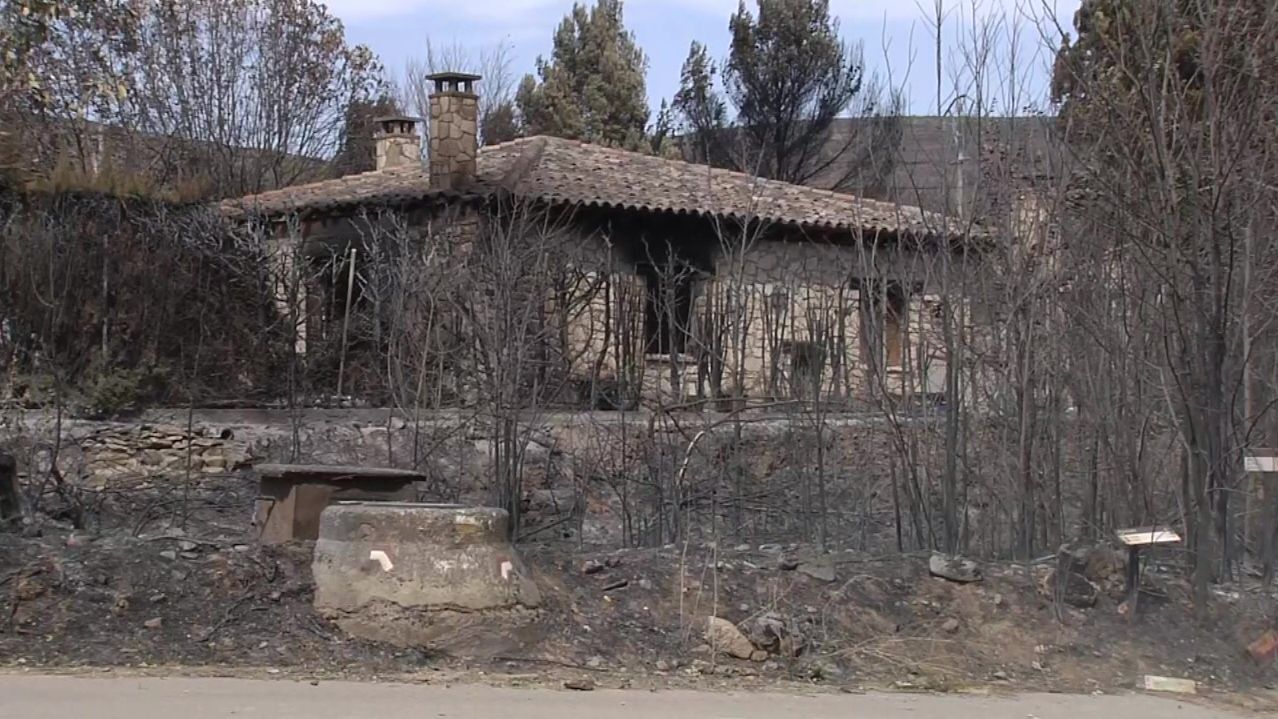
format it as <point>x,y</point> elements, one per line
<point>1170,685</point>
<point>239,606</point>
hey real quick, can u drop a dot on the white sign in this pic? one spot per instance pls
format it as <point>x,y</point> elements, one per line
<point>1147,536</point>
<point>1261,464</point>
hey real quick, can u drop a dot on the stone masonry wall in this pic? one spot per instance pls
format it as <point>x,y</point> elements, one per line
<point>785,317</point>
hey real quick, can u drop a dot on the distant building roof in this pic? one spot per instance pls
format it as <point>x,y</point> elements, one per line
<point>569,172</point>
<point>925,169</point>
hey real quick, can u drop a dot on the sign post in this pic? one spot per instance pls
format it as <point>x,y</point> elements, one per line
<point>1135,540</point>
<point>1262,470</point>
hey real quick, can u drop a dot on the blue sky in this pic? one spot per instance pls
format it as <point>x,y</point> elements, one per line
<point>898,41</point>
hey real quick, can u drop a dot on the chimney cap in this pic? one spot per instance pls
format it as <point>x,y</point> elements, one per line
<point>458,76</point>
<point>397,124</point>
<point>454,81</point>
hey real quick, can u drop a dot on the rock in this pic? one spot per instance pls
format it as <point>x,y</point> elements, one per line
<point>77,540</point>
<point>1077,592</point>
<point>821,568</point>
<point>1104,564</point>
<point>645,584</point>
<point>553,500</point>
<point>951,625</point>
<point>590,566</point>
<point>822,669</point>
<point>153,623</point>
<point>595,662</point>
<point>1263,650</point>
<point>1000,676</point>
<point>28,588</point>
<point>158,597</point>
<point>187,545</point>
<point>725,638</point>
<point>772,633</point>
<point>771,667</point>
<point>662,665</point>
<point>759,656</point>
<point>954,568</point>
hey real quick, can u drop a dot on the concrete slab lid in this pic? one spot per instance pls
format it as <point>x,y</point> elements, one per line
<point>1147,536</point>
<point>335,472</point>
<point>402,505</point>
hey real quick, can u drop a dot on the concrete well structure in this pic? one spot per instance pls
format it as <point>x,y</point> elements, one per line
<point>405,573</point>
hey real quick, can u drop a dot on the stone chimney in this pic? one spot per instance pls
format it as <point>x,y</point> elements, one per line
<point>398,144</point>
<point>454,130</point>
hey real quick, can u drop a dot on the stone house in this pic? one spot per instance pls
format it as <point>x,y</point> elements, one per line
<point>691,282</point>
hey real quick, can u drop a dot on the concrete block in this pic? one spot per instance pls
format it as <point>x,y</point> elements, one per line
<point>385,570</point>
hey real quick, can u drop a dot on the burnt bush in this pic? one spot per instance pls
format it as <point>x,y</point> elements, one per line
<point>119,302</point>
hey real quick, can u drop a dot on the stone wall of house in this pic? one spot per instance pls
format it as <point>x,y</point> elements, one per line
<point>798,325</point>
<point>785,317</point>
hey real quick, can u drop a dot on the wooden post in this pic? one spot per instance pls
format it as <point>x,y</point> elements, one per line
<point>10,497</point>
<point>1262,475</point>
<point>1133,576</point>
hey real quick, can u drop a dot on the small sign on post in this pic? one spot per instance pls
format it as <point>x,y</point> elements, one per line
<point>1261,463</point>
<point>1261,467</point>
<point>1135,540</point>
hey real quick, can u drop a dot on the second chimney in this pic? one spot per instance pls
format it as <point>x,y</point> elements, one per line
<point>454,130</point>
<point>397,142</point>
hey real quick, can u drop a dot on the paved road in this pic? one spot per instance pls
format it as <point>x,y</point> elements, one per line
<point>31,697</point>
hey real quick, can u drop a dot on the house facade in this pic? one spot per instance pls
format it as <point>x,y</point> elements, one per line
<point>647,279</point>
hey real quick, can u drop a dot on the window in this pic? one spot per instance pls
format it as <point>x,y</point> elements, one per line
<point>667,309</point>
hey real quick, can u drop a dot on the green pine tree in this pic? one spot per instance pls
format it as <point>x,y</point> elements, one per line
<point>592,87</point>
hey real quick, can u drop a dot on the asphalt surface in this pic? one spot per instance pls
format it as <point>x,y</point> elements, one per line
<point>38,697</point>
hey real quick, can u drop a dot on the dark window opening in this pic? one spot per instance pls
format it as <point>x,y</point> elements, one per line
<point>807,363</point>
<point>667,309</point>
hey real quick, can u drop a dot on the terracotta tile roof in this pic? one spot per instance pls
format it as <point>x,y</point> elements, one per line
<point>577,173</point>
